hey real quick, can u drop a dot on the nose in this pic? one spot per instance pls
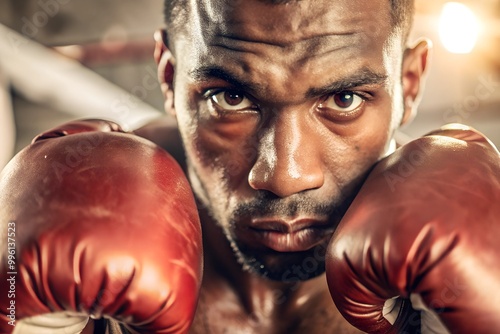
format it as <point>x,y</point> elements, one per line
<point>289,159</point>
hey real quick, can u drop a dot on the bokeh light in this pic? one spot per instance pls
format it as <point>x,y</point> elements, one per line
<point>458,28</point>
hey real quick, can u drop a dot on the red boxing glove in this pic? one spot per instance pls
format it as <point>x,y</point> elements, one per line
<point>422,234</point>
<point>79,126</point>
<point>100,224</point>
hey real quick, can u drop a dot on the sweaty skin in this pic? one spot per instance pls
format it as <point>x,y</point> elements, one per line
<point>255,102</point>
<point>282,111</point>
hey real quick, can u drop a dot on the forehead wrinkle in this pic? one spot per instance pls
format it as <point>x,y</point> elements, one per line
<point>300,54</point>
<point>312,46</point>
<point>282,24</point>
<point>221,24</point>
<point>235,38</point>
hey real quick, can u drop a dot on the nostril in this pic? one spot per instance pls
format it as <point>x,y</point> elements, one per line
<point>283,181</point>
<point>258,178</point>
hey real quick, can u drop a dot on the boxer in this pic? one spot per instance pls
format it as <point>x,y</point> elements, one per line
<point>283,109</point>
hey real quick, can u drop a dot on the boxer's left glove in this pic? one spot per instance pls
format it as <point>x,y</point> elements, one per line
<point>418,250</point>
<point>97,223</point>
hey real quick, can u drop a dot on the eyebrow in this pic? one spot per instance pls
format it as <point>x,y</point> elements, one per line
<point>363,77</point>
<point>205,73</point>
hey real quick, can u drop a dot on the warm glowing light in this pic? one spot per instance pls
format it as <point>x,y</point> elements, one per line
<point>458,28</point>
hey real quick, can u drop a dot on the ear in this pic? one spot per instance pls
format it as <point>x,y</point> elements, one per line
<point>165,61</point>
<point>414,72</point>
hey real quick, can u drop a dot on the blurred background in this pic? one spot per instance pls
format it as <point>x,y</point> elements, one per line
<point>114,40</point>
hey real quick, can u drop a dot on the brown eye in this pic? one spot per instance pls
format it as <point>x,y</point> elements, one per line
<point>344,106</point>
<point>231,100</point>
<point>344,102</point>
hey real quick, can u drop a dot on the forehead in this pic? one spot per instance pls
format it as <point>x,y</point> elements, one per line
<point>289,22</point>
<point>295,38</point>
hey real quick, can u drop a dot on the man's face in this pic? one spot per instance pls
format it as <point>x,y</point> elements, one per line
<point>283,109</point>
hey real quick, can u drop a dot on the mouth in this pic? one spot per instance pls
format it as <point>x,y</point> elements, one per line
<point>290,236</point>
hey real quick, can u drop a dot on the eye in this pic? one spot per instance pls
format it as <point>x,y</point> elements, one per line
<point>344,102</point>
<point>232,100</point>
<point>343,106</point>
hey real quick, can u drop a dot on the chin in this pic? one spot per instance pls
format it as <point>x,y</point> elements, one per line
<point>284,267</point>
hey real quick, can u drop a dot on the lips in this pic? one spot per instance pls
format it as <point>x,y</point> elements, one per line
<point>290,236</point>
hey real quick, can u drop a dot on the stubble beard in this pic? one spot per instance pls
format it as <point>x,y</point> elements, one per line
<point>278,266</point>
<point>270,264</point>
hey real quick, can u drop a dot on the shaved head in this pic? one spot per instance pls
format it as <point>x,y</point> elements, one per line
<point>283,107</point>
<point>402,12</point>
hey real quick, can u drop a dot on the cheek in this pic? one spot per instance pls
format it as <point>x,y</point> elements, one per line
<point>373,142</point>
<point>361,144</point>
<point>378,125</point>
<point>220,150</point>
<point>222,153</point>
<point>371,133</point>
<point>233,154</point>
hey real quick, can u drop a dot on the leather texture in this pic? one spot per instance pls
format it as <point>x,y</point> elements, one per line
<point>105,225</point>
<point>425,223</point>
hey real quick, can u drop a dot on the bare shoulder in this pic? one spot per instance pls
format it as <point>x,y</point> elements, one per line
<point>164,132</point>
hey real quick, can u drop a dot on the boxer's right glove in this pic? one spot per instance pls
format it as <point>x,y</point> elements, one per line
<point>423,234</point>
<point>99,224</point>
